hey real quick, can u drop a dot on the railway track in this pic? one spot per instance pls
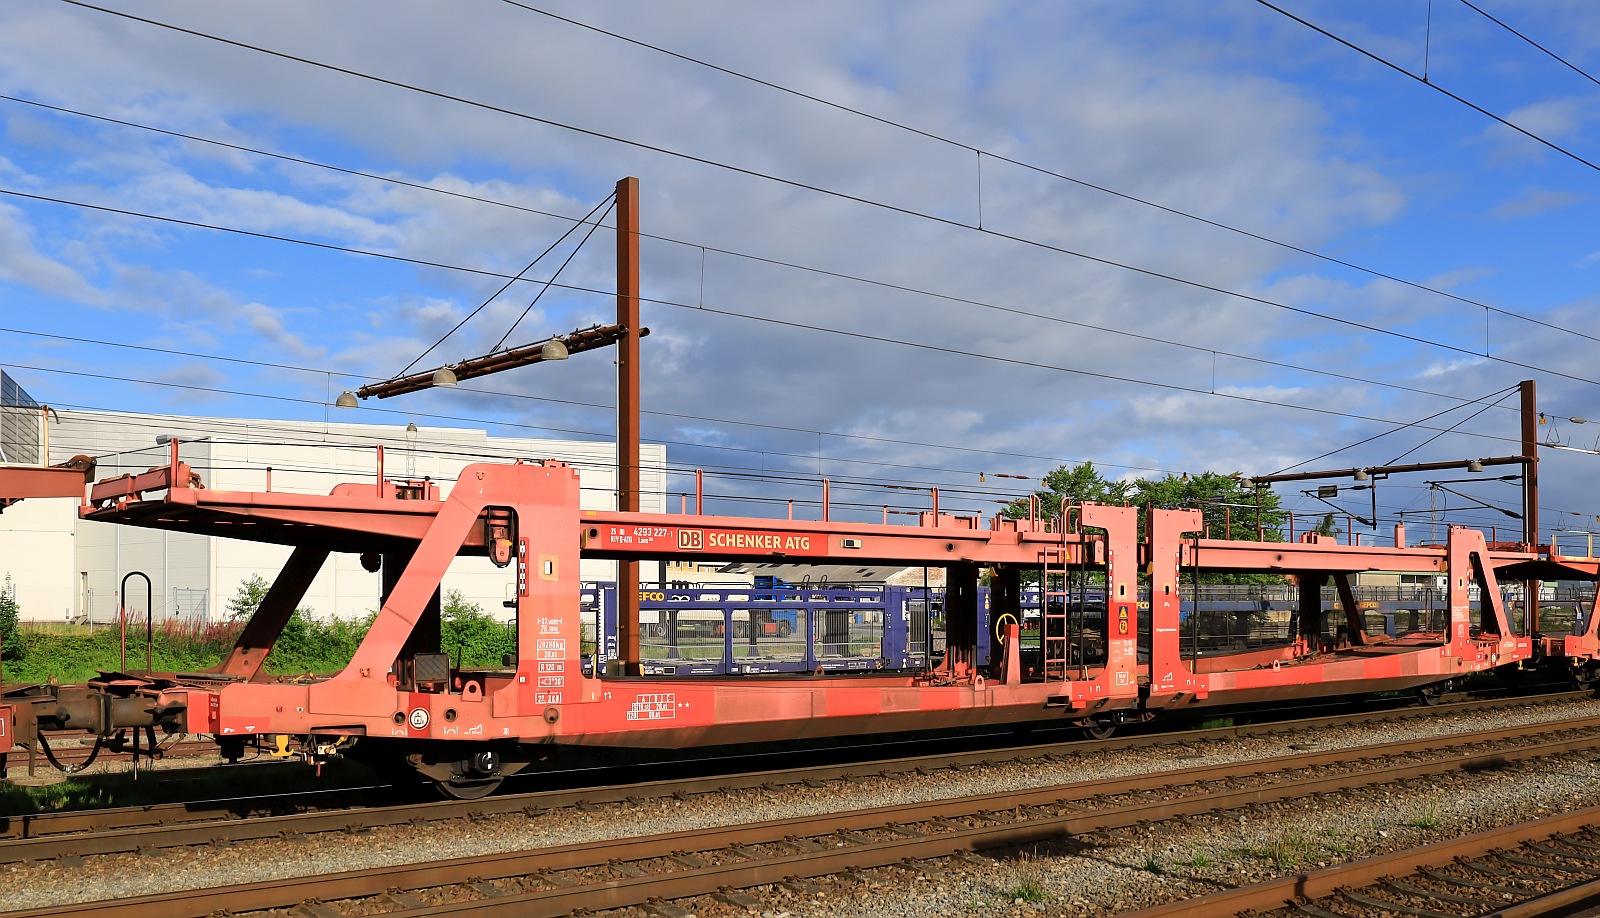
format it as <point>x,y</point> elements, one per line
<point>76,834</point>
<point>724,859</point>
<point>1547,866</point>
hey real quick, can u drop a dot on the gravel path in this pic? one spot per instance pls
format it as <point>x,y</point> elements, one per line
<point>1080,876</point>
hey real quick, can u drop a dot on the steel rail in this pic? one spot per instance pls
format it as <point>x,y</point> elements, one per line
<point>1274,894</point>
<point>170,836</point>
<point>1552,903</point>
<point>1195,795</point>
<point>44,825</point>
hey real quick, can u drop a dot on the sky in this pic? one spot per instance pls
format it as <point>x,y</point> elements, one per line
<point>919,245</point>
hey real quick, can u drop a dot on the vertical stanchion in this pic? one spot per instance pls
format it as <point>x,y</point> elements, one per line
<point>628,414</point>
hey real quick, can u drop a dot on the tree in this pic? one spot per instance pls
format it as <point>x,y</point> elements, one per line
<point>1081,484</point>
<point>1231,510</point>
<point>1327,527</point>
<point>247,598</point>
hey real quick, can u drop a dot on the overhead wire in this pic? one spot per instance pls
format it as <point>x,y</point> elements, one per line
<point>469,451</point>
<point>966,352</point>
<point>1386,433</point>
<point>1423,80</point>
<point>513,279</point>
<point>598,435</point>
<point>898,483</point>
<point>1442,433</point>
<point>793,183</point>
<point>1558,58</point>
<point>1015,361</point>
<point>216,431</point>
<point>903,288</point>
<point>1035,242</point>
<point>1000,157</point>
<point>552,400</point>
<point>547,284</point>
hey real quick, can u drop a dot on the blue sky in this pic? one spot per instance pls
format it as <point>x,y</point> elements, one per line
<point>1228,110</point>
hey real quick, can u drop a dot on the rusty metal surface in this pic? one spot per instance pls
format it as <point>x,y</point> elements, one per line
<point>1190,792</point>
<point>629,397</point>
<point>66,480</point>
<point>1555,903</point>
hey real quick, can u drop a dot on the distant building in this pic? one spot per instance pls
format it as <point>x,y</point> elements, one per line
<point>21,420</point>
<point>64,569</point>
<point>819,576</point>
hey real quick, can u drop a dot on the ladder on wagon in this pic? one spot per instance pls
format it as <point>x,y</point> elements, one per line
<point>1053,618</point>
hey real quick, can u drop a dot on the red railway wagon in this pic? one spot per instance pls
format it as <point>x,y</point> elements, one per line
<point>401,701</point>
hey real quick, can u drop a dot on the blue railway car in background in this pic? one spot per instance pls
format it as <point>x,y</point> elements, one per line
<point>776,628</point>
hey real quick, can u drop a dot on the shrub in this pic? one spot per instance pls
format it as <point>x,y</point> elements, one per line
<point>471,635</point>
<point>11,644</point>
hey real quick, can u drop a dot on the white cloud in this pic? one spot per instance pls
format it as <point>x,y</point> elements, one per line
<point>21,262</point>
<point>1204,113</point>
<point>1533,202</point>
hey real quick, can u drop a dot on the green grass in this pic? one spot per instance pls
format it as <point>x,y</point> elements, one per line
<point>1200,861</point>
<point>1029,889</point>
<point>1426,818</point>
<point>1334,843</point>
<point>308,644</point>
<point>1284,853</point>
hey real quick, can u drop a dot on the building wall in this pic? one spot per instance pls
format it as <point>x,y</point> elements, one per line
<point>36,537</point>
<point>36,550</point>
<point>73,569</point>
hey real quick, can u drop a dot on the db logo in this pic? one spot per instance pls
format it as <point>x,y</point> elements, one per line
<point>691,540</point>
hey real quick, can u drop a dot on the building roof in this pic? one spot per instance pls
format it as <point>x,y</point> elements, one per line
<point>840,574</point>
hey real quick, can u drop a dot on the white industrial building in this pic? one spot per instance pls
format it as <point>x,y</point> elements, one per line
<point>64,569</point>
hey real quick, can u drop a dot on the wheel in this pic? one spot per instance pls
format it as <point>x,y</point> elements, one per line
<point>476,776</point>
<point>1098,731</point>
<point>467,788</point>
<point>1430,695</point>
<point>1584,677</point>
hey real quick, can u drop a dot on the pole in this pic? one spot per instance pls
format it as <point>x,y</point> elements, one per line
<point>628,414</point>
<point>1530,496</point>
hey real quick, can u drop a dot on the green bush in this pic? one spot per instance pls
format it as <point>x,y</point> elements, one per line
<point>11,645</point>
<point>308,644</point>
<point>311,645</point>
<point>75,653</point>
<point>472,636</point>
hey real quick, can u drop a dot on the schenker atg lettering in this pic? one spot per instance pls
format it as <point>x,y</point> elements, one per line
<point>759,541</point>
